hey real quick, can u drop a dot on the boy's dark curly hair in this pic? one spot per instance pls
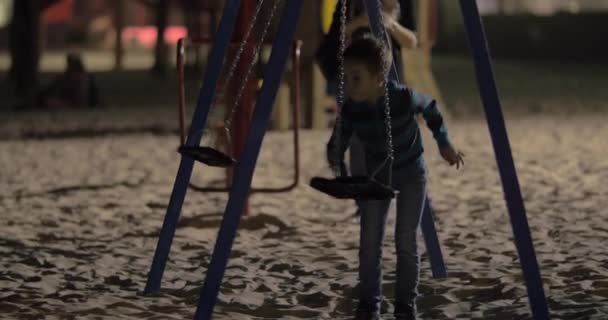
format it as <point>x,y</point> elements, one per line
<point>370,51</point>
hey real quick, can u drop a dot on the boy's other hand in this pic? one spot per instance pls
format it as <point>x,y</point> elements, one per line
<point>452,156</point>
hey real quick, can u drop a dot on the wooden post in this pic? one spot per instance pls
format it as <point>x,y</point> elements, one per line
<point>24,34</point>
<point>417,61</point>
<point>119,23</point>
<point>161,50</point>
<point>280,115</point>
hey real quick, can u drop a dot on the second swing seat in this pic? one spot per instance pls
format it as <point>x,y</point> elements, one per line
<point>207,155</point>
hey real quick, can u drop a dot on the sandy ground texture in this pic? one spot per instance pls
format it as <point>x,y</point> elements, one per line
<point>80,219</point>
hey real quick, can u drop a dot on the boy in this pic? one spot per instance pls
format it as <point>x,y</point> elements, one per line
<point>358,24</point>
<point>363,114</point>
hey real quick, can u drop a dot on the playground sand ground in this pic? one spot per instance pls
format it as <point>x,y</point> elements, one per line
<point>80,219</point>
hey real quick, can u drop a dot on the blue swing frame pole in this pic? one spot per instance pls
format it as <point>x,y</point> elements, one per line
<point>502,150</point>
<point>431,241</point>
<point>246,166</point>
<point>199,119</point>
<point>429,232</point>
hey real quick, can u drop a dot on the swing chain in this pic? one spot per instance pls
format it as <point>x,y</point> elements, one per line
<point>256,51</point>
<point>386,71</point>
<point>387,109</point>
<point>239,54</point>
<point>340,96</point>
<point>241,48</point>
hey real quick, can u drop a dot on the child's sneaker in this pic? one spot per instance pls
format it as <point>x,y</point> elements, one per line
<point>409,314</point>
<point>366,315</point>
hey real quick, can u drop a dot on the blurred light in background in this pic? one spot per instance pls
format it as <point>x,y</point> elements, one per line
<point>540,7</point>
<point>145,36</point>
<point>59,12</point>
<point>6,8</point>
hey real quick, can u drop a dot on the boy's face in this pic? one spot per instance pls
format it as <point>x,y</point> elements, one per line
<point>390,6</point>
<point>361,84</point>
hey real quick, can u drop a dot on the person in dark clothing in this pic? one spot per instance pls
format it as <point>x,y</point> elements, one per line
<point>74,88</point>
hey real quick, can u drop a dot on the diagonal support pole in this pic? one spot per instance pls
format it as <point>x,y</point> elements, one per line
<point>245,168</point>
<point>199,120</point>
<point>431,240</point>
<point>433,247</point>
<point>502,150</point>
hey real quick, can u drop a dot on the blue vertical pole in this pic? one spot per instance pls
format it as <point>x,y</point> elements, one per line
<point>502,150</point>
<point>433,247</point>
<point>199,119</point>
<point>431,240</point>
<point>246,165</point>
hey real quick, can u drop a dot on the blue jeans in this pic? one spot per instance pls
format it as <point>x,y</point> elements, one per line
<point>357,157</point>
<point>411,183</point>
<point>357,161</point>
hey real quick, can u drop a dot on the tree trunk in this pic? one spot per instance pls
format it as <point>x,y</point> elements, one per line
<point>160,53</point>
<point>24,41</point>
<point>119,23</point>
<point>25,50</point>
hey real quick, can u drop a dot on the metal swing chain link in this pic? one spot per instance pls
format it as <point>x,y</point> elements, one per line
<point>256,51</point>
<point>239,52</point>
<point>340,97</point>
<point>241,48</point>
<point>387,110</point>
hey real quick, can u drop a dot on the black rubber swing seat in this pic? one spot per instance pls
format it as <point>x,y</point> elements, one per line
<point>208,156</point>
<point>355,187</point>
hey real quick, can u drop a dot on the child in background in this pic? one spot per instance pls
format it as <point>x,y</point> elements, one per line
<point>74,88</point>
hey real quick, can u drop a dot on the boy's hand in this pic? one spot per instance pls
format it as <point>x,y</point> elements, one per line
<point>452,156</point>
<point>389,21</point>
